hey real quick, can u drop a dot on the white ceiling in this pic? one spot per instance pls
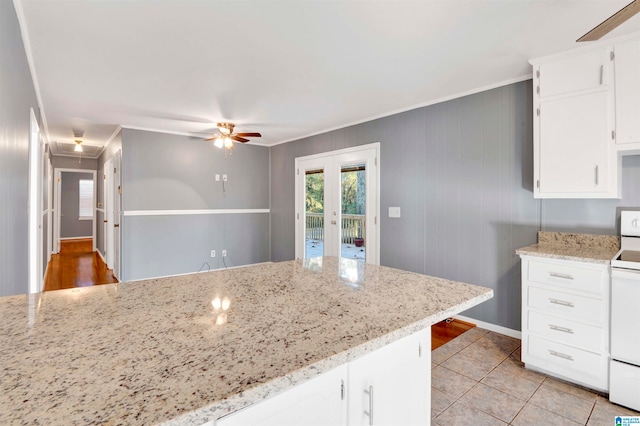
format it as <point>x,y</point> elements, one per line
<point>287,69</point>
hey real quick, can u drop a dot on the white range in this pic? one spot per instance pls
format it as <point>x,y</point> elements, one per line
<point>624,370</point>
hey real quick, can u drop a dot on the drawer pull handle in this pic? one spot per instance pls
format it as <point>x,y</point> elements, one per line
<point>559,275</point>
<point>558,328</point>
<point>561,302</point>
<point>561,355</point>
<point>369,392</point>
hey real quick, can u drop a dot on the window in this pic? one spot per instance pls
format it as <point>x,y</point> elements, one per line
<point>86,199</point>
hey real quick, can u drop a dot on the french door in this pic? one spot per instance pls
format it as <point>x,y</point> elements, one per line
<point>337,204</point>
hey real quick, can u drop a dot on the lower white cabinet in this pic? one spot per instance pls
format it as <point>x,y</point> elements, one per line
<point>392,385</point>
<point>389,386</point>
<point>565,319</point>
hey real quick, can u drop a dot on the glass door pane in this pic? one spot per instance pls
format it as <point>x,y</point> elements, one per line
<point>353,202</point>
<point>314,229</point>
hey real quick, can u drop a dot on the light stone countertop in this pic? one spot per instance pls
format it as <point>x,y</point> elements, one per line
<point>188,349</point>
<point>575,247</point>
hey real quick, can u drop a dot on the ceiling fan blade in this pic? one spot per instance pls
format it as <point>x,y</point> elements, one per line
<point>238,138</point>
<point>212,138</point>
<point>612,22</point>
<point>250,135</point>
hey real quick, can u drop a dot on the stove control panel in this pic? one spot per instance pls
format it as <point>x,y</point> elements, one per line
<point>630,223</point>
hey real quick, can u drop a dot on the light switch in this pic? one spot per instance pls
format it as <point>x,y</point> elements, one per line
<point>394,211</point>
<point>217,177</point>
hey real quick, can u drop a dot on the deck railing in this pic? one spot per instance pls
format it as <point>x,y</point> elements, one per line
<point>353,226</point>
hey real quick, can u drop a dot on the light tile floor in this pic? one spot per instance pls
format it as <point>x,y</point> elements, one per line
<point>478,379</point>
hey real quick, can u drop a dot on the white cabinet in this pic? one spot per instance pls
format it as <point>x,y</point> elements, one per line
<point>389,386</point>
<point>565,319</point>
<point>574,73</point>
<point>627,93</point>
<point>574,127</point>
<point>317,402</point>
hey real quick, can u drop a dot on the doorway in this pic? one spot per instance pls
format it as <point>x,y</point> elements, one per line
<point>337,204</point>
<point>75,198</point>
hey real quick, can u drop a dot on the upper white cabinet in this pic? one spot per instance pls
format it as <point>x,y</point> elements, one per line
<point>575,73</point>
<point>574,127</point>
<point>627,94</point>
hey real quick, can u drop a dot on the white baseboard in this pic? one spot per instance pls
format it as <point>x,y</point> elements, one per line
<point>102,257</point>
<point>492,327</point>
<point>201,272</point>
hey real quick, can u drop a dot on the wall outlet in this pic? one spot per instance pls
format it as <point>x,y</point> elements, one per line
<point>224,178</point>
<point>394,211</point>
<point>224,253</point>
<point>213,253</point>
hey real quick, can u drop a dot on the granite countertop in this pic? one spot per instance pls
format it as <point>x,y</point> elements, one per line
<point>187,349</point>
<point>576,247</point>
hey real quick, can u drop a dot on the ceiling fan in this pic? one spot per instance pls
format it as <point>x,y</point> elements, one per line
<point>612,22</point>
<point>226,136</point>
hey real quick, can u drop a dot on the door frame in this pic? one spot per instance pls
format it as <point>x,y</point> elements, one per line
<point>112,199</point>
<point>58,205</point>
<point>36,193</point>
<point>321,159</point>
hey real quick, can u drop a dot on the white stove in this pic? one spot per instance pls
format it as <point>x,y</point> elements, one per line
<point>624,367</point>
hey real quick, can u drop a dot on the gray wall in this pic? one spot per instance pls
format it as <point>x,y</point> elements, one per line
<point>172,172</point>
<point>17,95</point>
<point>110,150</point>
<point>61,162</point>
<point>70,225</point>
<point>461,171</point>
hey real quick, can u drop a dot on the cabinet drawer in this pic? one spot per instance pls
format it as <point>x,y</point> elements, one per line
<point>580,308</point>
<point>573,333</point>
<point>578,365</point>
<point>577,278</point>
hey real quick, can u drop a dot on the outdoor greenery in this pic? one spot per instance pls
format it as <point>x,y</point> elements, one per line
<point>352,188</point>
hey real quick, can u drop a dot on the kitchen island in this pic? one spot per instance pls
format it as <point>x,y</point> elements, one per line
<point>189,349</point>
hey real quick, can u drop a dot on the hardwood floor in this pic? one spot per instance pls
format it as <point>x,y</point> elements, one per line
<point>444,331</point>
<point>77,265</point>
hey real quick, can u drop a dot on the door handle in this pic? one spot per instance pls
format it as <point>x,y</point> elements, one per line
<point>105,221</point>
<point>117,225</point>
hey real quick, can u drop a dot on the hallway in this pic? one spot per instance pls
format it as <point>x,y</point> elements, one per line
<point>77,266</point>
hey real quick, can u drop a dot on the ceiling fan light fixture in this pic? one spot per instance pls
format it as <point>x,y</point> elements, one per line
<point>218,143</point>
<point>228,143</point>
<point>225,128</point>
<point>78,147</point>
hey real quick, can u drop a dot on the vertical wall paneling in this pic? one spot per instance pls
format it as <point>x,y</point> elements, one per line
<point>18,96</point>
<point>457,171</point>
<point>165,172</point>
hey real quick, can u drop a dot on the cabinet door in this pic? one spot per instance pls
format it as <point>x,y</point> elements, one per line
<point>392,385</point>
<point>627,90</point>
<point>579,72</point>
<point>319,401</point>
<point>574,145</point>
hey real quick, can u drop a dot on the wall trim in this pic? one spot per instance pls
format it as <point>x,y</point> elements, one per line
<point>89,237</point>
<point>492,327</point>
<point>191,212</point>
<point>201,272</point>
<point>102,257</point>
